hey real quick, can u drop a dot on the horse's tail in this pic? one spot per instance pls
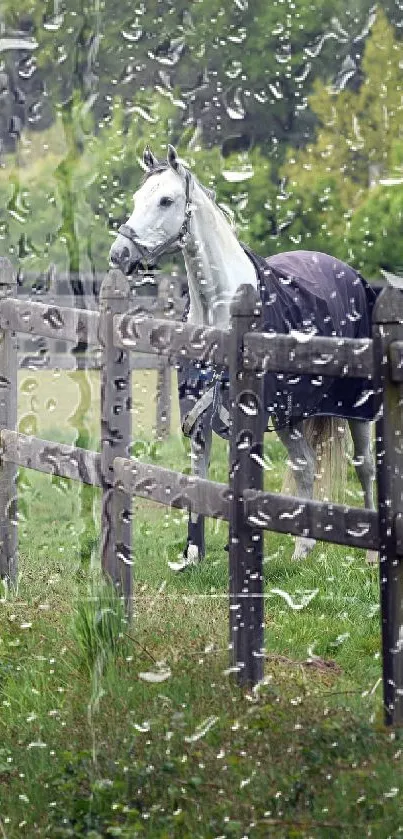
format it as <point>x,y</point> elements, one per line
<point>328,438</point>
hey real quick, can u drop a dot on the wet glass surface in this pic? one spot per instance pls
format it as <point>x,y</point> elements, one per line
<point>246,131</point>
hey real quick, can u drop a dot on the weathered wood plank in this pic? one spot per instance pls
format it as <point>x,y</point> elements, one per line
<point>54,458</point>
<point>58,300</point>
<point>247,426</point>
<point>175,339</point>
<point>174,489</point>
<point>396,361</point>
<point>163,400</point>
<point>117,562</point>
<point>29,357</point>
<point>325,522</point>
<point>387,333</point>
<point>49,321</point>
<point>158,307</point>
<point>89,285</point>
<point>345,357</point>
<point>8,419</point>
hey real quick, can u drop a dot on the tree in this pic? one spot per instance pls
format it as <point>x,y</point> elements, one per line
<point>379,109</point>
<point>374,237</point>
<point>328,181</point>
<point>242,71</point>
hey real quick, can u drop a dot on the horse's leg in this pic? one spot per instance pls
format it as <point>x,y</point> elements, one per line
<point>200,448</point>
<point>303,461</point>
<point>365,467</point>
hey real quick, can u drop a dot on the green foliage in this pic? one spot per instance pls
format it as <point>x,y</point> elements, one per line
<point>57,208</point>
<point>380,105</point>
<point>99,627</point>
<point>190,792</point>
<point>268,49</point>
<point>111,165</point>
<point>330,199</point>
<point>244,189</point>
<point>375,234</point>
<point>269,57</point>
<point>30,215</point>
<point>90,747</point>
<point>312,214</point>
<point>65,192</point>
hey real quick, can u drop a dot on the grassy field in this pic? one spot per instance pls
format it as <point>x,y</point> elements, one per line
<point>111,730</point>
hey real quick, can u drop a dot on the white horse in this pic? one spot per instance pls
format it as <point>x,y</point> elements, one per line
<point>173,211</point>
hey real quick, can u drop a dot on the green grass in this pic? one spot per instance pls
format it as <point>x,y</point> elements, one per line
<point>115,730</point>
<point>62,403</point>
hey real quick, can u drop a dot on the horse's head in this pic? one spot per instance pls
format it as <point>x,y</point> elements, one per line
<point>161,215</point>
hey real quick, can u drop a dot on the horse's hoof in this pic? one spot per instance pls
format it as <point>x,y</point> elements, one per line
<point>372,558</point>
<point>190,558</point>
<point>303,548</point>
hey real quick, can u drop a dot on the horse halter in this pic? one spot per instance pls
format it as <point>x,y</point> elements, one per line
<point>150,256</point>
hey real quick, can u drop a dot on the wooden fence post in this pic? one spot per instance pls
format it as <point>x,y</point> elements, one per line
<point>164,373</point>
<point>163,399</point>
<point>115,438</point>
<point>246,472</point>
<point>387,328</point>
<point>8,419</point>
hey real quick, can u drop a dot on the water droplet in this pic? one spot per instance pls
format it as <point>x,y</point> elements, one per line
<point>238,175</point>
<point>239,36</point>
<point>248,404</point>
<point>202,729</point>
<point>27,67</point>
<point>363,398</point>
<point>28,385</point>
<point>54,23</point>
<point>133,34</point>
<point>275,90</point>
<point>28,424</point>
<point>142,112</point>
<point>236,109</point>
<point>172,55</point>
<point>296,606</point>
<point>156,676</point>
<point>234,70</point>
<point>303,337</point>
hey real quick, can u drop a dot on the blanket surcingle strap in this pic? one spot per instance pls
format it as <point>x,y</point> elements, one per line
<point>305,292</point>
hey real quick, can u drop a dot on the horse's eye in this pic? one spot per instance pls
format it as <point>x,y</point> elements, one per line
<point>166,202</point>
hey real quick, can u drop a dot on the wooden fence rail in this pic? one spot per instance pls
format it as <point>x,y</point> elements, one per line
<point>173,489</point>
<point>53,458</point>
<point>343,357</point>
<point>178,340</point>
<point>243,503</point>
<point>50,321</point>
<point>49,327</point>
<point>318,520</point>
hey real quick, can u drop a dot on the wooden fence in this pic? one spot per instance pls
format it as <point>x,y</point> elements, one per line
<point>53,351</point>
<point>247,354</point>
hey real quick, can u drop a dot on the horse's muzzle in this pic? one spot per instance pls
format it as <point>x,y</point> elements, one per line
<point>127,258</point>
<point>120,256</point>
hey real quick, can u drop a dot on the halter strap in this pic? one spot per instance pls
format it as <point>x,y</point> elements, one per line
<point>150,254</point>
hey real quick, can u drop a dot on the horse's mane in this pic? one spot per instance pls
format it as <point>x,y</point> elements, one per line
<point>163,166</point>
<point>160,166</point>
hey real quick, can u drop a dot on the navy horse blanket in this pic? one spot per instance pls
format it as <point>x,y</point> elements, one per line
<point>307,292</point>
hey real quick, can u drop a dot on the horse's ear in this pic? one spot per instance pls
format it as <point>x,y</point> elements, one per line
<point>148,158</point>
<point>173,159</point>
